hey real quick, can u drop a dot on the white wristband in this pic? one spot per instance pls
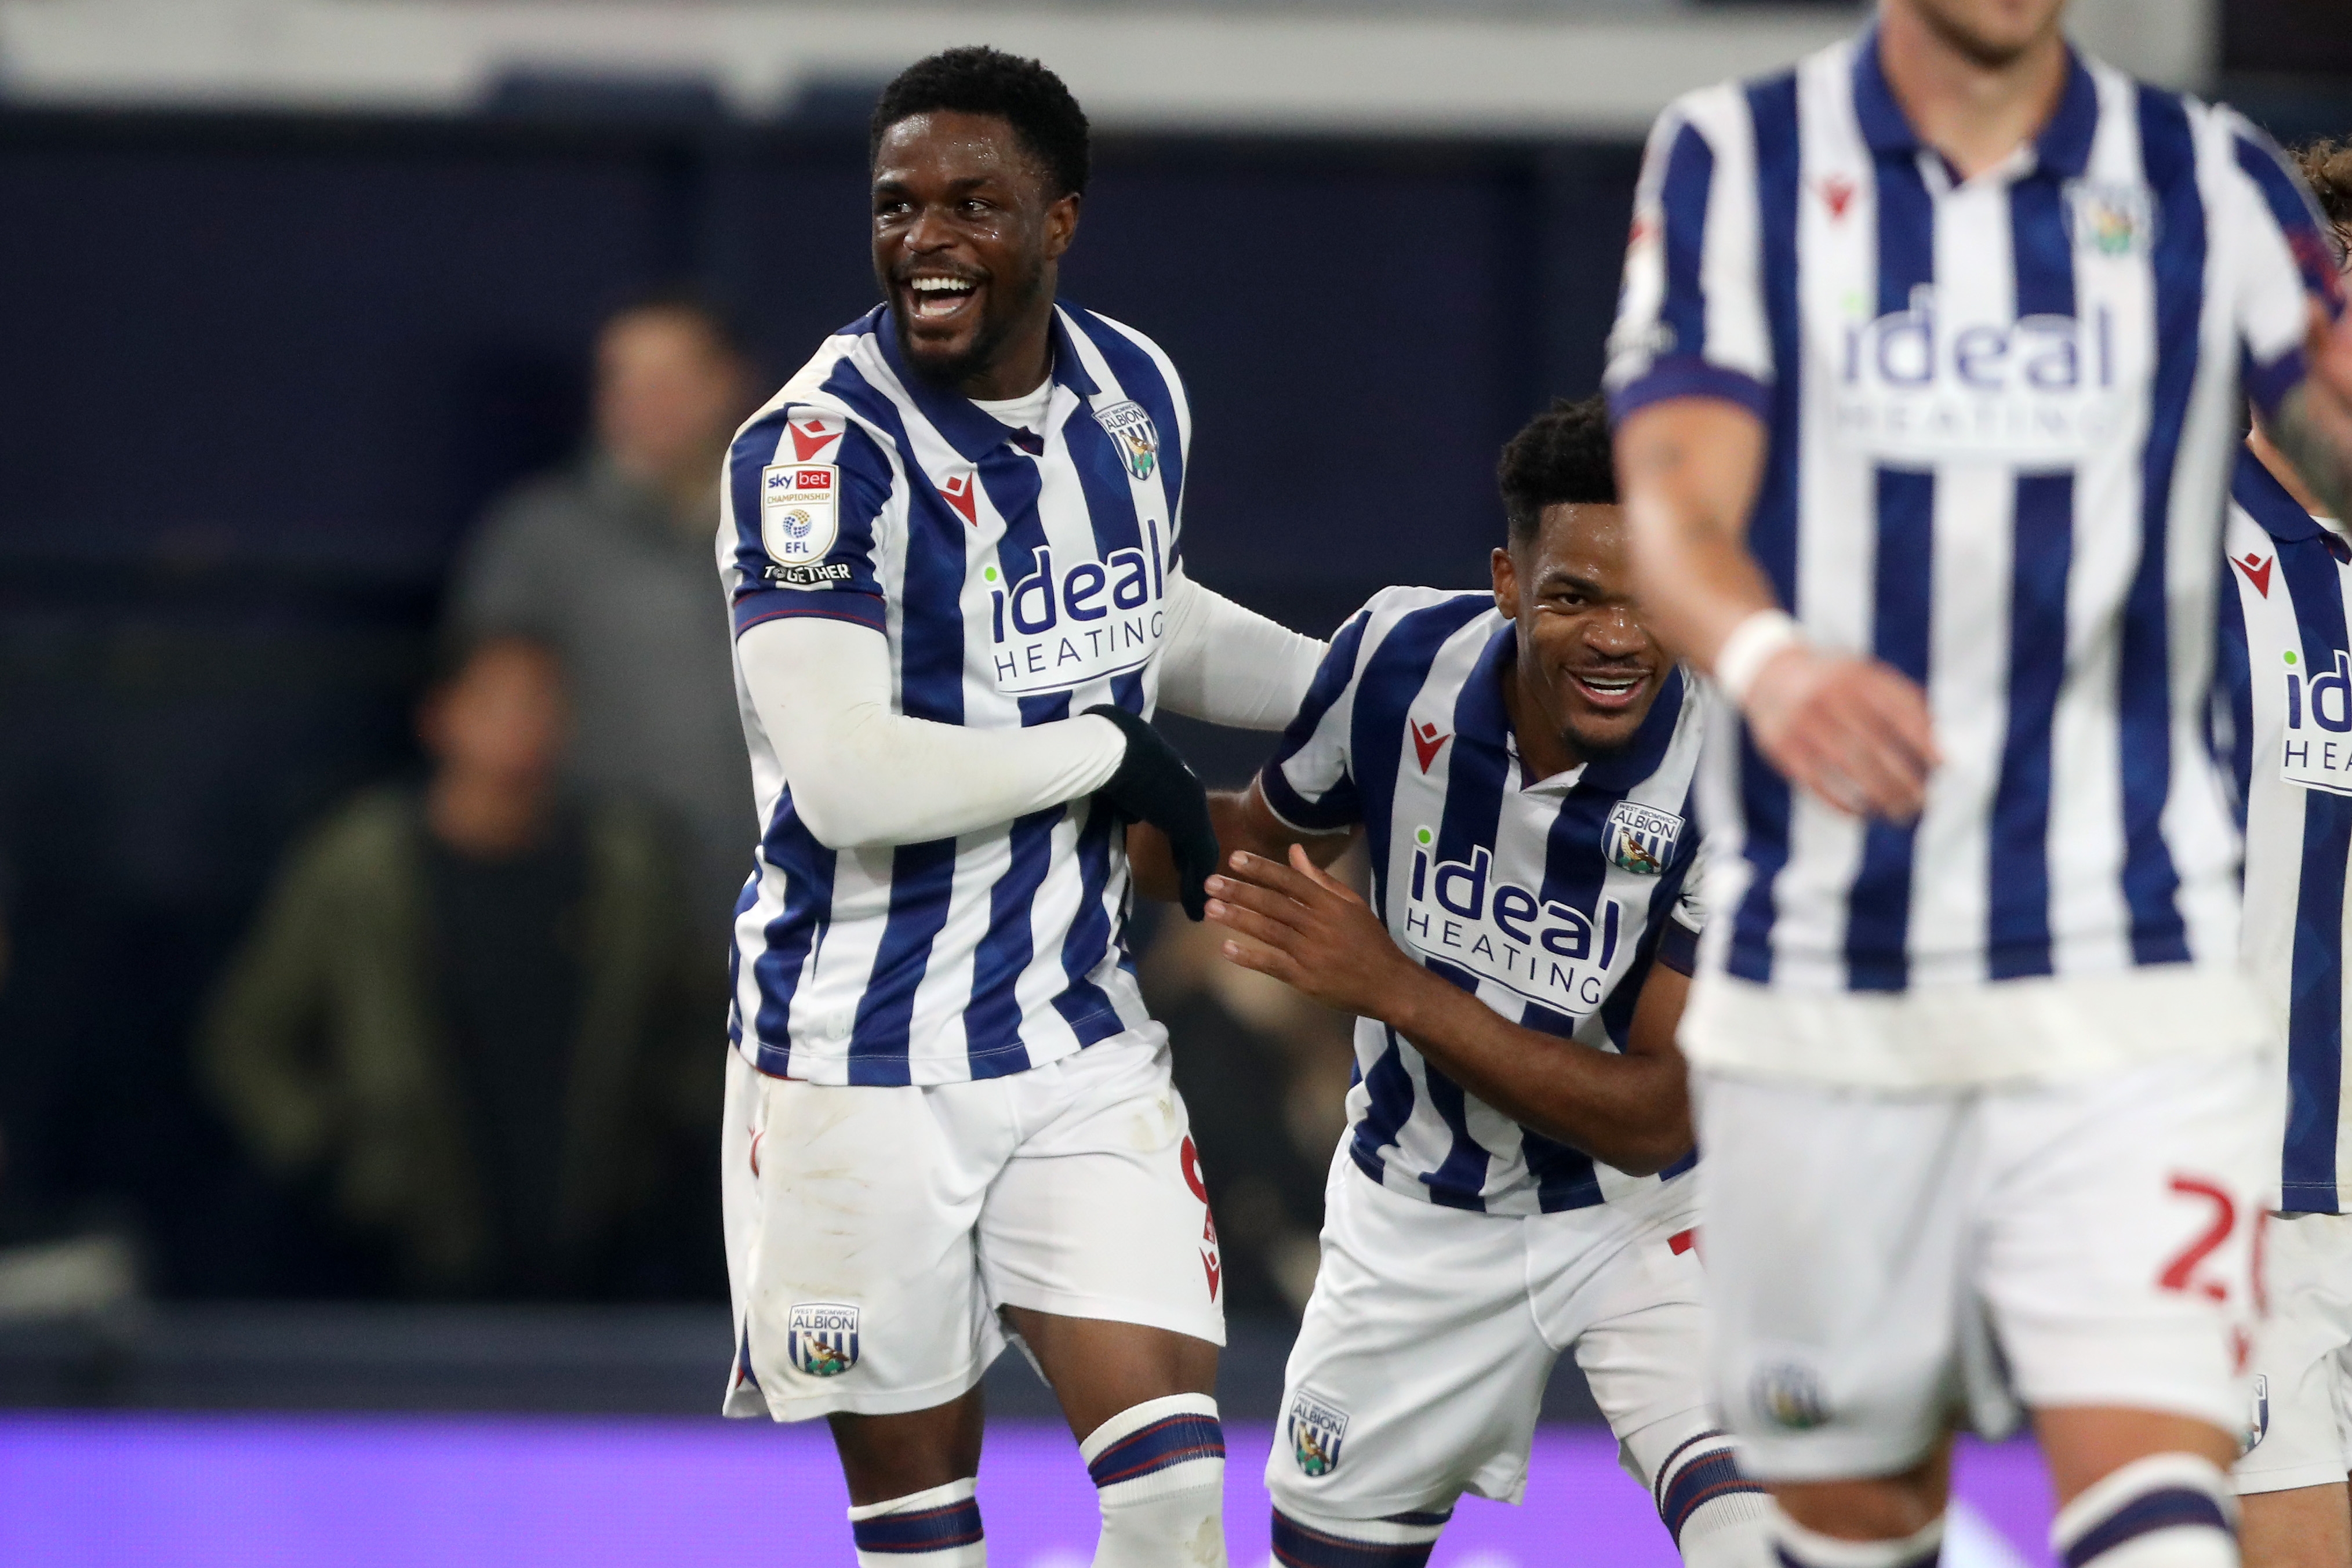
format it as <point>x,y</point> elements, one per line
<point>1749,648</point>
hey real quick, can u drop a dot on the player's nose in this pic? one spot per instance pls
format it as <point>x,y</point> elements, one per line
<point>1616,633</point>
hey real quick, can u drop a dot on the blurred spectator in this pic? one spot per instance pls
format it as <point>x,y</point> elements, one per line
<point>1265,1074</point>
<point>611,560</point>
<point>474,1019</point>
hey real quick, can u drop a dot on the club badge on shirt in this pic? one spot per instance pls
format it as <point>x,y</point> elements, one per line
<point>799,519</point>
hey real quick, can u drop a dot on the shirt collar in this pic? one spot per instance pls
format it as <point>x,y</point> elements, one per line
<point>2064,147</point>
<point>972,432</point>
<point>2257,489</point>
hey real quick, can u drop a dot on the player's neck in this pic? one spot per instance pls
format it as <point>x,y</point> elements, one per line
<point>1020,364</point>
<point>1976,113</point>
<point>483,815</point>
<point>2258,442</point>
<point>1544,752</point>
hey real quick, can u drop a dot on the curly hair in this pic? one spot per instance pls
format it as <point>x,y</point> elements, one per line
<point>981,80</point>
<point>2326,168</point>
<point>1563,456</point>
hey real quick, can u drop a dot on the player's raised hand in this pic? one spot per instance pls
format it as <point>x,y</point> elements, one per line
<point>1310,931</point>
<point>1155,784</point>
<point>1854,732</point>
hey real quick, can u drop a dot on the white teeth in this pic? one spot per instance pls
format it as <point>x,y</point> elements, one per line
<point>940,285</point>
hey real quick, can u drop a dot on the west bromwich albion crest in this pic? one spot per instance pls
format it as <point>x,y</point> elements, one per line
<point>1132,431</point>
<point>1641,839</point>
<point>821,1339</point>
<point>1315,1429</point>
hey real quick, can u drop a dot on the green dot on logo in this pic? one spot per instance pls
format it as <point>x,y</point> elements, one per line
<point>1423,836</point>
<point>991,575</point>
<point>2290,658</point>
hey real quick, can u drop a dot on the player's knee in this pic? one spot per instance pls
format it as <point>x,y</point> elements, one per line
<point>1303,1539</point>
<point>1798,1547</point>
<point>2164,1511</point>
<point>1159,1470</point>
<point>935,1528</point>
<point>1717,1515</point>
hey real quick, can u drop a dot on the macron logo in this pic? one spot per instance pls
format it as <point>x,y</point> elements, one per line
<point>959,495</point>
<point>1427,743</point>
<point>2258,572</point>
<point>812,438</point>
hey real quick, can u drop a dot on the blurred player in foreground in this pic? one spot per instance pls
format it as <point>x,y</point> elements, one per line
<point>1516,1180</point>
<point>2284,660</point>
<point>1937,343</point>
<point>952,546</point>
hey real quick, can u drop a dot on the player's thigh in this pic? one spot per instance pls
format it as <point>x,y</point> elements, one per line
<point>2120,1236</point>
<point>1101,1211</point>
<point>1835,1241</point>
<point>1418,1369</point>
<point>850,1243</point>
<point>1638,1324</point>
<point>2296,1422</point>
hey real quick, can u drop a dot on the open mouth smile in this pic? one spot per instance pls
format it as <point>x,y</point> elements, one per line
<point>1614,691</point>
<point>938,299</point>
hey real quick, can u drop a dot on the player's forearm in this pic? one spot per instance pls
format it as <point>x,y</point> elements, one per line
<point>1628,1112</point>
<point>1690,469</point>
<point>864,776</point>
<point>1244,825</point>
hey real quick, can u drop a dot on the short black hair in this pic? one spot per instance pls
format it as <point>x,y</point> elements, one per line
<point>1561,456</point>
<point>981,80</point>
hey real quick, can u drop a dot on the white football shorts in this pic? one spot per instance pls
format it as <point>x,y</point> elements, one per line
<point>1419,1367</point>
<point>2300,1426</point>
<point>1880,1263</point>
<point>873,1232</point>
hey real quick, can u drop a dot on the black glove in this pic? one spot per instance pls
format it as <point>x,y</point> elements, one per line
<point>1154,785</point>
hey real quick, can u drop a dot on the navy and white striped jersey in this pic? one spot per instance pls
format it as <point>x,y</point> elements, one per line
<point>2287,691</point>
<point>2001,414</point>
<point>1549,899</point>
<point>1020,577</point>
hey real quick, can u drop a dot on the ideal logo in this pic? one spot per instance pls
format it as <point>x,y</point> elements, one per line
<point>1057,628</point>
<point>1552,953</point>
<point>2316,748</point>
<point>821,1338</point>
<point>2040,391</point>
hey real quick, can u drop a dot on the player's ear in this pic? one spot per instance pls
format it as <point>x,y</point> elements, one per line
<point>1507,584</point>
<point>1061,225</point>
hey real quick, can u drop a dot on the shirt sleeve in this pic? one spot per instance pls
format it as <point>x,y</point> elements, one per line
<point>2287,263</point>
<point>1309,783</point>
<point>1678,943</point>
<point>1231,665</point>
<point>806,503</point>
<point>1691,320</point>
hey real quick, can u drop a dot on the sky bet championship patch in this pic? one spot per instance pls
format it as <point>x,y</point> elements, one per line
<point>799,520</point>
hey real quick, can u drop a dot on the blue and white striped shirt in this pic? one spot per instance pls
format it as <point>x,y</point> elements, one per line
<point>1549,899</point>
<point>1020,577</point>
<point>2000,414</point>
<point>2286,690</point>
